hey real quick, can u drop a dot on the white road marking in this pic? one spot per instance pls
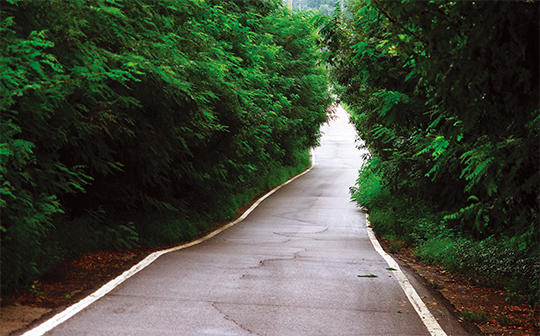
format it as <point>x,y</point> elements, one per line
<point>425,315</point>
<point>63,316</point>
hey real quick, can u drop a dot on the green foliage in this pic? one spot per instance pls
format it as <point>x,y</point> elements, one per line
<point>115,110</point>
<point>396,246</point>
<point>445,96</point>
<point>488,262</point>
<point>475,316</point>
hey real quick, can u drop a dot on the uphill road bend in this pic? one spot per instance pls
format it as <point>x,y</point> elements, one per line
<point>302,263</point>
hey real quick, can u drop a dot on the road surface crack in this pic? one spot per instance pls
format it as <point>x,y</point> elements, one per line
<point>294,256</point>
<point>228,318</point>
<point>300,234</point>
<point>291,218</point>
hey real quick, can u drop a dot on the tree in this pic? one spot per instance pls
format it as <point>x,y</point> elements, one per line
<point>445,96</point>
<point>113,111</point>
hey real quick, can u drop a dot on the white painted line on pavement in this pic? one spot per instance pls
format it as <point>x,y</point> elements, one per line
<point>425,315</point>
<point>66,314</point>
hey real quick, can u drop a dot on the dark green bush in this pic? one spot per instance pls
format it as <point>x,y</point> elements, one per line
<point>116,110</point>
<point>450,117</point>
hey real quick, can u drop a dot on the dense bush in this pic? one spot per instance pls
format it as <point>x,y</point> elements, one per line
<point>117,111</point>
<point>446,97</point>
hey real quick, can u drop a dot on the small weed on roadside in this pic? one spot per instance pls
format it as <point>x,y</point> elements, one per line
<point>435,285</point>
<point>477,317</point>
<point>507,321</point>
<point>396,246</point>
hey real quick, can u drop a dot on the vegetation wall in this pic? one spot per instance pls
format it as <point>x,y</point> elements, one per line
<point>446,97</point>
<point>134,122</point>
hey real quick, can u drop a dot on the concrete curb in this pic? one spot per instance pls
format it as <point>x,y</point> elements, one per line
<point>425,315</point>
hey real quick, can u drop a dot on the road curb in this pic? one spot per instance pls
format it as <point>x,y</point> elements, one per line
<point>425,315</point>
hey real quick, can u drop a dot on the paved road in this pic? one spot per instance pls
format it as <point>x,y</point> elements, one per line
<point>290,268</point>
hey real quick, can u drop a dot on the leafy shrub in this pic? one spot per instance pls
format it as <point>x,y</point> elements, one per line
<point>112,109</point>
<point>475,316</point>
<point>451,121</point>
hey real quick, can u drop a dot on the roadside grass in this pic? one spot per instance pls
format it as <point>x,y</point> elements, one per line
<point>508,321</point>
<point>396,246</point>
<point>475,316</point>
<point>489,262</point>
<point>479,284</point>
<point>498,261</point>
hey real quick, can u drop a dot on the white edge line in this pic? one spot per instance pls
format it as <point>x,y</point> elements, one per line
<point>425,315</point>
<point>69,312</point>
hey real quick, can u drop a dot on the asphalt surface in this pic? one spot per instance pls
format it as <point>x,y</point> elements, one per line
<point>290,268</point>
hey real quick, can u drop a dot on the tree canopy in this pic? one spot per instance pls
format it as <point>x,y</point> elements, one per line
<point>446,97</point>
<point>112,109</point>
